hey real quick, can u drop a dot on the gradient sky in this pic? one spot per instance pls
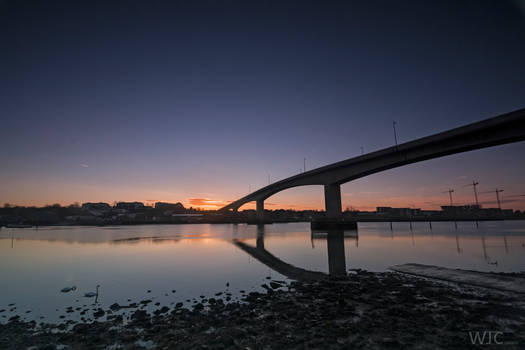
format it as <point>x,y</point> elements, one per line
<point>201,101</point>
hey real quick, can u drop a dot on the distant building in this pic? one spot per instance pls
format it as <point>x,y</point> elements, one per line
<point>461,210</point>
<point>430,213</point>
<point>509,212</point>
<point>398,212</point>
<point>170,207</point>
<point>100,206</point>
<point>383,209</point>
<point>130,205</point>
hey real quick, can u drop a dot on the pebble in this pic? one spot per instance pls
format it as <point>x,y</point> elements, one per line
<point>363,310</point>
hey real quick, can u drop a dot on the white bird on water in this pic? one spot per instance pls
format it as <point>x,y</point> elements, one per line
<point>92,294</point>
<point>68,289</point>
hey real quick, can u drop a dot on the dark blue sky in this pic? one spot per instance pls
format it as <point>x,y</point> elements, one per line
<point>185,101</point>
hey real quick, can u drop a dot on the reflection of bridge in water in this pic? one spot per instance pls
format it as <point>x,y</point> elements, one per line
<point>335,240</point>
<point>335,243</point>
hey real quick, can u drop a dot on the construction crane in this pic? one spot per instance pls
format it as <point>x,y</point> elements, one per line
<point>450,190</point>
<point>515,196</point>
<point>474,184</point>
<point>497,196</point>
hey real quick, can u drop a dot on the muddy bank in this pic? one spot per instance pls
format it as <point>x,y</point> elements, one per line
<point>362,310</point>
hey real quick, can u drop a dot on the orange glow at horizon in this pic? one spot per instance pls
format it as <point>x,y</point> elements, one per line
<point>367,204</point>
<point>409,188</point>
<point>349,201</point>
<point>362,202</point>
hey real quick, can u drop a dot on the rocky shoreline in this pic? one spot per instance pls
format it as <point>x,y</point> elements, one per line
<point>362,310</point>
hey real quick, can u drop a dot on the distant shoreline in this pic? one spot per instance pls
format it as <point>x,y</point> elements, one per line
<point>225,222</point>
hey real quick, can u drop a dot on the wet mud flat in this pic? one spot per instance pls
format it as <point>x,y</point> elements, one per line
<point>362,310</point>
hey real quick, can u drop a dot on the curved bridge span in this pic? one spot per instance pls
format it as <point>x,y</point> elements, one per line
<point>499,130</point>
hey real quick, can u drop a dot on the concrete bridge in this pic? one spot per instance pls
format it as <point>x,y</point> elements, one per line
<point>499,130</point>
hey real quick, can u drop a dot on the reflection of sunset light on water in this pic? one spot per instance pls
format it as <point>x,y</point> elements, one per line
<point>203,240</point>
<point>201,259</point>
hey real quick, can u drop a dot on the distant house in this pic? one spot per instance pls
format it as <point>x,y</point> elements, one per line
<point>100,206</point>
<point>176,208</point>
<point>130,205</point>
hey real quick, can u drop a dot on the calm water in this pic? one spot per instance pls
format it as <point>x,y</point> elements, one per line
<point>195,260</point>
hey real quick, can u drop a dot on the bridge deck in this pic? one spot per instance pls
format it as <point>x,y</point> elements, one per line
<point>506,128</point>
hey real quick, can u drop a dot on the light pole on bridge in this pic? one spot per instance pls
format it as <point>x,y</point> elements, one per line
<point>395,133</point>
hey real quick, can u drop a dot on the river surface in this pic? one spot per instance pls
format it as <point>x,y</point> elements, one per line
<point>179,263</point>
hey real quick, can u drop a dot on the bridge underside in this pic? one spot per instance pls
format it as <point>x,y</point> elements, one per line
<point>503,129</point>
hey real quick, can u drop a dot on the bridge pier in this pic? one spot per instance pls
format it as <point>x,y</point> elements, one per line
<point>335,242</point>
<point>334,215</point>
<point>260,210</point>
<point>332,200</point>
<point>260,237</point>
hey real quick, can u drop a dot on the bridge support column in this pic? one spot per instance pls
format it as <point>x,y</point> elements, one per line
<point>334,216</point>
<point>260,210</point>
<point>336,252</point>
<point>260,237</point>
<point>332,200</point>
